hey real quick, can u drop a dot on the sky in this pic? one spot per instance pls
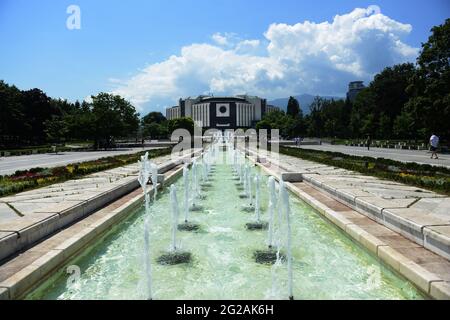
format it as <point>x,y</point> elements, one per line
<point>152,52</point>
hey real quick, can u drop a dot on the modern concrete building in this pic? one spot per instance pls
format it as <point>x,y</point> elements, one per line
<point>231,112</point>
<point>354,88</point>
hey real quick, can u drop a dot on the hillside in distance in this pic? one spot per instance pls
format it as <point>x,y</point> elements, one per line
<point>305,101</point>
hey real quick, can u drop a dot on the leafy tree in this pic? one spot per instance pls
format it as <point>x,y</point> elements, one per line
<point>403,125</point>
<point>180,123</point>
<point>293,108</point>
<point>155,130</point>
<point>154,117</point>
<point>315,119</point>
<point>113,117</point>
<point>56,129</point>
<point>376,107</point>
<point>429,106</point>
<point>38,109</point>
<point>155,125</point>
<point>12,114</point>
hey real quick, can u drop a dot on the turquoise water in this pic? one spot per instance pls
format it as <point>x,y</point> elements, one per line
<point>326,264</point>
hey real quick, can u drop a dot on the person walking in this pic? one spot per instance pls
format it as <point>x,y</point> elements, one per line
<point>434,143</point>
<point>368,142</point>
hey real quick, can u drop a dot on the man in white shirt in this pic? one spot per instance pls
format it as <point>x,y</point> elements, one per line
<point>434,143</point>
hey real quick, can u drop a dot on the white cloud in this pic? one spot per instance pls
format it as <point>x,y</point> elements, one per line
<point>220,39</point>
<point>307,57</point>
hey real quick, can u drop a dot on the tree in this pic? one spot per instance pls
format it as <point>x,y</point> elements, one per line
<point>403,125</point>
<point>429,105</point>
<point>293,108</point>
<point>181,123</point>
<point>155,130</point>
<point>38,109</point>
<point>376,107</point>
<point>56,129</point>
<point>113,117</point>
<point>154,117</point>
<point>315,120</point>
<point>154,125</point>
<point>12,114</point>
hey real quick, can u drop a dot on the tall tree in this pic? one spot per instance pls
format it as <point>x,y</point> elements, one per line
<point>12,114</point>
<point>293,108</point>
<point>429,106</point>
<point>113,117</point>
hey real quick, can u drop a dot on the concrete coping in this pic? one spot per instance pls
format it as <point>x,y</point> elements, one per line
<point>428,282</point>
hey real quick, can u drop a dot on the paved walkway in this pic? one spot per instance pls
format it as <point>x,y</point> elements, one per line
<point>68,194</point>
<point>418,156</point>
<point>9,165</point>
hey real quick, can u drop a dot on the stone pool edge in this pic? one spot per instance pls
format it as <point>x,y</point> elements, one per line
<point>22,282</point>
<point>428,282</point>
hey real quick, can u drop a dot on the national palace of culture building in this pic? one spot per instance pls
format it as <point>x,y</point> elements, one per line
<point>232,112</point>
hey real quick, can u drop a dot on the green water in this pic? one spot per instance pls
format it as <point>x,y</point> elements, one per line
<point>326,264</point>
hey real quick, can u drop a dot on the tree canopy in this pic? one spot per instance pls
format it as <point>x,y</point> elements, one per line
<point>31,117</point>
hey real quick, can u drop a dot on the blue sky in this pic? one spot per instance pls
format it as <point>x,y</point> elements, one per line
<point>153,52</point>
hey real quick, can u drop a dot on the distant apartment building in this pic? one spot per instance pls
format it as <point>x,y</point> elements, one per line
<point>227,112</point>
<point>354,88</point>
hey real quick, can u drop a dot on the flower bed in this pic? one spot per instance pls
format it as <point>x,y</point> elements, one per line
<point>421,175</point>
<point>23,180</point>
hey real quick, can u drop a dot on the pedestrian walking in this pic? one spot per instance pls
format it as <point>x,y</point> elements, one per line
<point>368,141</point>
<point>434,144</point>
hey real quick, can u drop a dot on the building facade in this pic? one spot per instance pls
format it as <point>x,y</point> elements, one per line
<point>231,112</point>
<point>354,88</point>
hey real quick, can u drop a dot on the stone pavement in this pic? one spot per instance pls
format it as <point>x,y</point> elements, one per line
<point>418,214</point>
<point>402,155</point>
<point>30,216</point>
<point>9,165</point>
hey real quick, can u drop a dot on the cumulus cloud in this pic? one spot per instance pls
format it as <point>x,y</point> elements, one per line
<point>307,57</point>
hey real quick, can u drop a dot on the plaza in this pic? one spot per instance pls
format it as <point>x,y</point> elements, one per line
<point>225,158</point>
<point>403,231</point>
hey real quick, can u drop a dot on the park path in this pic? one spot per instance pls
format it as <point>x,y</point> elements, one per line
<point>61,196</point>
<point>417,156</point>
<point>9,165</point>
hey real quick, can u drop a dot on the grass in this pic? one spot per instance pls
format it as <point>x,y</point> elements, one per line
<point>425,176</point>
<point>40,177</point>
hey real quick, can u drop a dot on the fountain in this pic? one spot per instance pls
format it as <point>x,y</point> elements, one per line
<point>332,266</point>
<point>144,174</point>
<point>245,181</point>
<point>154,178</point>
<point>205,184</point>
<point>174,256</point>
<point>285,201</point>
<point>271,255</point>
<point>187,226</point>
<point>195,187</point>
<point>272,205</point>
<point>258,224</point>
